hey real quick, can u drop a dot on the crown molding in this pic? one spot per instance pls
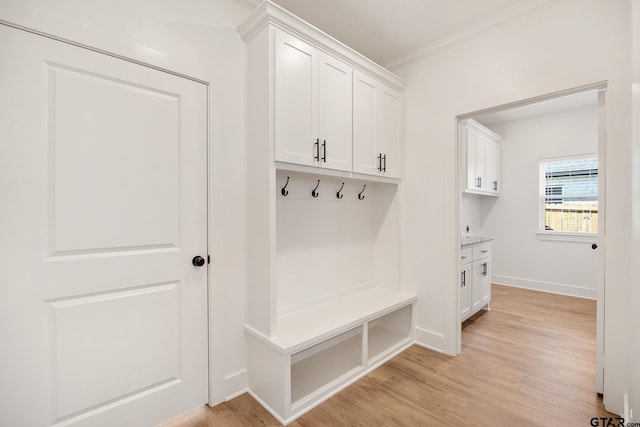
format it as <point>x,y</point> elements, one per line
<point>248,4</point>
<point>268,13</point>
<point>479,26</point>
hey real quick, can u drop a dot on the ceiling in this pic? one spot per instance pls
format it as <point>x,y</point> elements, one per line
<point>385,30</point>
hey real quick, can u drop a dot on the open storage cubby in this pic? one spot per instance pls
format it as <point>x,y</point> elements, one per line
<point>322,365</point>
<point>387,332</point>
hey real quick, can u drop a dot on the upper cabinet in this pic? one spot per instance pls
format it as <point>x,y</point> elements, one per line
<point>376,127</point>
<point>312,111</point>
<point>323,105</point>
<point>481,156</point>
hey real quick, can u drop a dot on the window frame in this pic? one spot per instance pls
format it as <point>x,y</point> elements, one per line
<point>570,236</point>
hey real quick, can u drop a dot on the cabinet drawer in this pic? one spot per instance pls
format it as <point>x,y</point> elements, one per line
<point>481,251</point>
<point>466,255</point>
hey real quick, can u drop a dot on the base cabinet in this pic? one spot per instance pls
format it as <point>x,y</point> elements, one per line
<point>475,279</point>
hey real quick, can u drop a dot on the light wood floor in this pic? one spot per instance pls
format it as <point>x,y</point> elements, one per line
<point>530,361</point>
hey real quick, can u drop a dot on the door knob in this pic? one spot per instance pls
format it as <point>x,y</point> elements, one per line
<point>594,246</point>
<point>198,261</point>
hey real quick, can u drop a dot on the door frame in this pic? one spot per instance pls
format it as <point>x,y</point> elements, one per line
<point>601,88</point>
<point>209,173</point>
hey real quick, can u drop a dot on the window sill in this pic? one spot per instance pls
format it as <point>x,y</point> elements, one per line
<point>567,236</point>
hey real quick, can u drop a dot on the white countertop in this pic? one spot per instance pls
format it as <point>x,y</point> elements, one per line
<point>473,240</point>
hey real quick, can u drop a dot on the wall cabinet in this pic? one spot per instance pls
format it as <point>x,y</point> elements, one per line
<point>312,111</point>
<point>475,279</point>
<point>330,108</point>
<point>480,158</point>
<point>376,127</point>
<point>324,301</point>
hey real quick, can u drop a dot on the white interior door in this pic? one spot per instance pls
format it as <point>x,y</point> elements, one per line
<point>103,317</point>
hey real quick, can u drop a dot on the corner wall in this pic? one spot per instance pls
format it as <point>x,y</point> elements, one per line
<point>559,45</point>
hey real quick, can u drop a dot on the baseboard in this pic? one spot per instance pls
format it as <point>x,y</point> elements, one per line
<point>537,285</point>
<point>430,340</point>
<point>235,385</point>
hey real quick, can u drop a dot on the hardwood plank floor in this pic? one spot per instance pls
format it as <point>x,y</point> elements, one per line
<point>530,361</point>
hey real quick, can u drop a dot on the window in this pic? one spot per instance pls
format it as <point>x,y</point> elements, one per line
<point>569,195</point>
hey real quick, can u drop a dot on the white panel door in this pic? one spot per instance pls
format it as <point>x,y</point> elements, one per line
<point>296,101</point>
<point>335,116</point>
<point>466,284</point>
<point>388,131</point>
<point>481,162</point>
<point>477,288</point>
<point>365,150</point>
<point>493,166</point>
<point>103,167</point>
<point>472,176</point>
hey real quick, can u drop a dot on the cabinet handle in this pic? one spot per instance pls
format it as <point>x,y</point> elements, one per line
<point>484,269</point>
<point>484,251</point>
<point>384,169</point>
<point>317,148</point>
<point>495,185</point>
<point>380,162</point>
<point>464,278</point>
<point>479,182</point>
<point>464,257</point>
<point>324,150</point>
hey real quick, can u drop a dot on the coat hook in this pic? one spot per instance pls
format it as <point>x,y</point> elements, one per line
<point>314,193</point>
<point>338,195</point>
<point>284,190</point>
<point>360,196</point>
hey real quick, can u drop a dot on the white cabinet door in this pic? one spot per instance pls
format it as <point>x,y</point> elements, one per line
<point>486,283</point>
<point>493,167</point>
<point>476,158</point>
<point>376,127</point>
<point>365,154</point>
<point>481,162</point>
<point>477,287</point>
<point>296,100</point>
<point>335,113</point>
<point>466,285</point>
<point>103,182</point>
<point>388,130</point>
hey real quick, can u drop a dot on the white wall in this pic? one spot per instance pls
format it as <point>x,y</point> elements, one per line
<point>519,256</point>
<point>559,45</point>
<point>634,297</point>
<point>196,38</point>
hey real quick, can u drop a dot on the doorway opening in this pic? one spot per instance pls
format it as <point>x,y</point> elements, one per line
<point>540,212</point>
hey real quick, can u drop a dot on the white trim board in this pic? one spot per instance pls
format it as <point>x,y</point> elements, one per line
<point>235,384</point>
<point>550,287</point>
<point>430,340</point>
